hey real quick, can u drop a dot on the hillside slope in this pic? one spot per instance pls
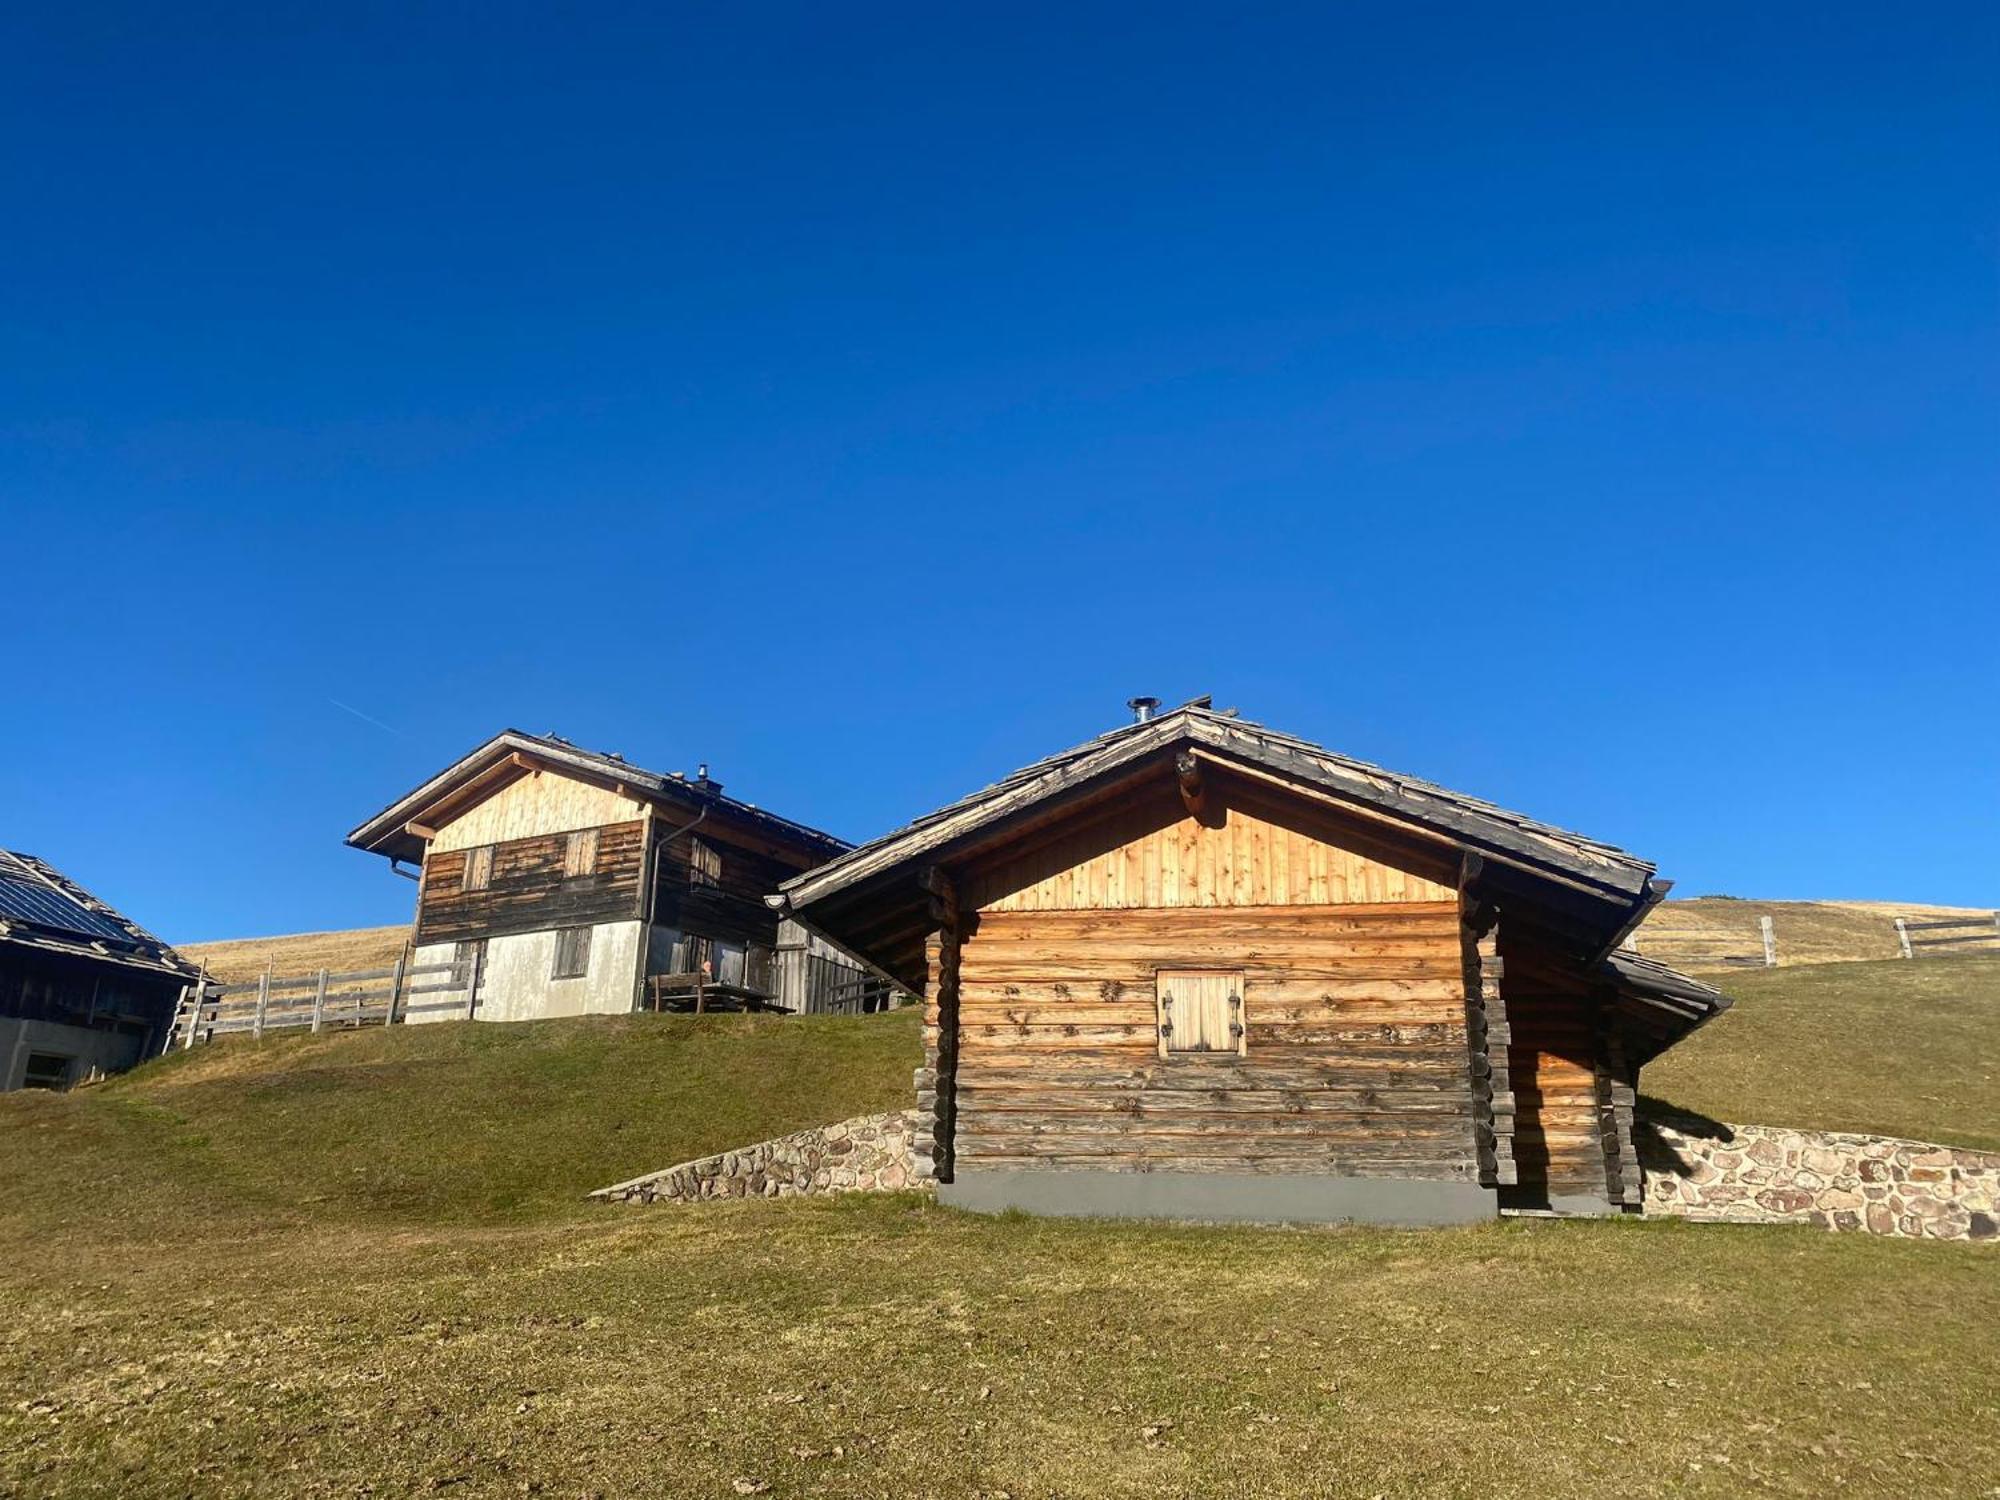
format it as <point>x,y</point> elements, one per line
<point>442,1123</point>
<point>360,1264</point>
<point>1701,933</point>
<point>1897,1047</point>
<point>355,950</point>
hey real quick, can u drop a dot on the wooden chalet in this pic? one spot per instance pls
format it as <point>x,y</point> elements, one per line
<point>565,881</point>
<point>1197,968</point>
<point>84,990</point>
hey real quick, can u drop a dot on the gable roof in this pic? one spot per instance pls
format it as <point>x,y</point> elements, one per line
<point>1494,831</point>
<point>43,909</point>
<point>513,752</point>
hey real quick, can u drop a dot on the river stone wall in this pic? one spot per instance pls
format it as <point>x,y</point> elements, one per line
<point>869,1153</point>
<point>1759,1174</point>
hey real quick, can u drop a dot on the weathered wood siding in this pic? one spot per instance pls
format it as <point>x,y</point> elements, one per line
<point>733,908</point>
<point>528,891</point>
<point>1354,1057</point>
<point>1354,1054</point>
<point>1252,850</point>
<point>537,803</point>
<point>1556,1062</point>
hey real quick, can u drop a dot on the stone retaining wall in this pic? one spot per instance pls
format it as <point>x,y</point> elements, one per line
<point>869,1153</point>
<point>1759,1174</point>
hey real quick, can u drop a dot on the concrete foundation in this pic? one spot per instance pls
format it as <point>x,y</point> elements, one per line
<point>1221,1197</point>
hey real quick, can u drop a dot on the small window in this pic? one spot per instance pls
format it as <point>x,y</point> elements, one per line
<point>572,953</point>
<point>478,868</point>
<point>46,1070</point>
<point>580,854</point>
<point>467,959</point>
<point>704,863</point>
<point>1201,1010</point>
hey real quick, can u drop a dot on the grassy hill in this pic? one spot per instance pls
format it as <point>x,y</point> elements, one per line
<point>360,1263</point>
<point>1897,1047</point>
<point>445,1123</point>
<point>1701,933</point>
<point>354,951</point>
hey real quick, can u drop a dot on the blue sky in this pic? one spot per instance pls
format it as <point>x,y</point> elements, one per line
<point>1593,410</point>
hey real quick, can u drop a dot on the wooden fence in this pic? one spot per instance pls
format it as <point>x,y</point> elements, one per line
<point>1709,945</point>
<point>369,997</point>
<point>1955,933</point>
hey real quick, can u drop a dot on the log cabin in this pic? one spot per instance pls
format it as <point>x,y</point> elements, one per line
<point>561,881</point>
<point>1196,968</point>
<point>84,990</point>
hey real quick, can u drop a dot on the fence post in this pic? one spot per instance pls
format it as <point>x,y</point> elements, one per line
<point>395,990</point>
<point>1903,937</point>
<point>1770,942</point>
<point>263,1000</point>
<point>319,1003</point>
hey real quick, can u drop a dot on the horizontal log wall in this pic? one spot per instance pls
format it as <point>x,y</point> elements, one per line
<point>1557,1064</point>
<point>1356,1061</point>
<point>528,892</point>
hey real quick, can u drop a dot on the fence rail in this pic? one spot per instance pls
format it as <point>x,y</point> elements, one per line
<point>1974,929</point>
<point>1693,944</point>
<point>365,997</point>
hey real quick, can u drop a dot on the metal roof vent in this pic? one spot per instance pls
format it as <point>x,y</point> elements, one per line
<point>1142,708</point>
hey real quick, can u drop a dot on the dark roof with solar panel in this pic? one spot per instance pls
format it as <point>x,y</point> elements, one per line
<point>42,908</point>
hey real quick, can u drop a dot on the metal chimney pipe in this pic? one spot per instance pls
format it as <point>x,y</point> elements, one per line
<point>1142,708</point>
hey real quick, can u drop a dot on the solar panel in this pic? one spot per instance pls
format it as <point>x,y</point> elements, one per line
<point>35,903</point>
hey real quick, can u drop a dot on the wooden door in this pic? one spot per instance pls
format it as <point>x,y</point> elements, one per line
<point>1201,1010</point>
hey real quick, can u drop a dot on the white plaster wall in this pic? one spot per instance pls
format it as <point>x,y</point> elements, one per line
<point>515,983</point>
<point>106,1051</point>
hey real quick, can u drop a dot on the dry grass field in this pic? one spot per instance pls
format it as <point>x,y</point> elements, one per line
<point>356,950</point>
<point>1697,934</point>
<point>361,1265</point>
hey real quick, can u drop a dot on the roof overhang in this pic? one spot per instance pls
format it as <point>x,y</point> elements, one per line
<point>1658,1005</point>
<point>401,830</point>
<point>873,900</point>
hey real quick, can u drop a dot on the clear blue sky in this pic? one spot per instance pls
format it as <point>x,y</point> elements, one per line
<point>1598,411</point>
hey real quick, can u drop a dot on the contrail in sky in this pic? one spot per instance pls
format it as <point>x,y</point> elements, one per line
<point>368,718</point>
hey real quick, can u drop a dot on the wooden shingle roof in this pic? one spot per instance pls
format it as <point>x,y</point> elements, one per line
<point>1477,824</point>
<point>385,832</point>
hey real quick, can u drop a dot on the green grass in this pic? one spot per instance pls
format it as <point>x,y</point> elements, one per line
<point>361,1265</point>
<point>1895,1048</point>
<point>438,1124</point>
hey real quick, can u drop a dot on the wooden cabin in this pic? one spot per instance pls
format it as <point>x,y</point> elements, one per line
<point>568,882</point>
<point>84,990</point>
<point>1197,968</point>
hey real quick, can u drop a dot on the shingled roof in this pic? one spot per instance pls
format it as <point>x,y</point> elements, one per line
<point>1583,893</point>
<point>385,833</point>
<point>43,909</point>
<point>1505,835</point>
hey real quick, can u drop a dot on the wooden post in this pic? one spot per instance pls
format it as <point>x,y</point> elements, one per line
<point>396,985</point>
<point>472,968</point>
<point>263,1000</point>
<point>1770,942</point>
<point>940,1072</point>
<point>1903,937</point>
<point>319,1003</point>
